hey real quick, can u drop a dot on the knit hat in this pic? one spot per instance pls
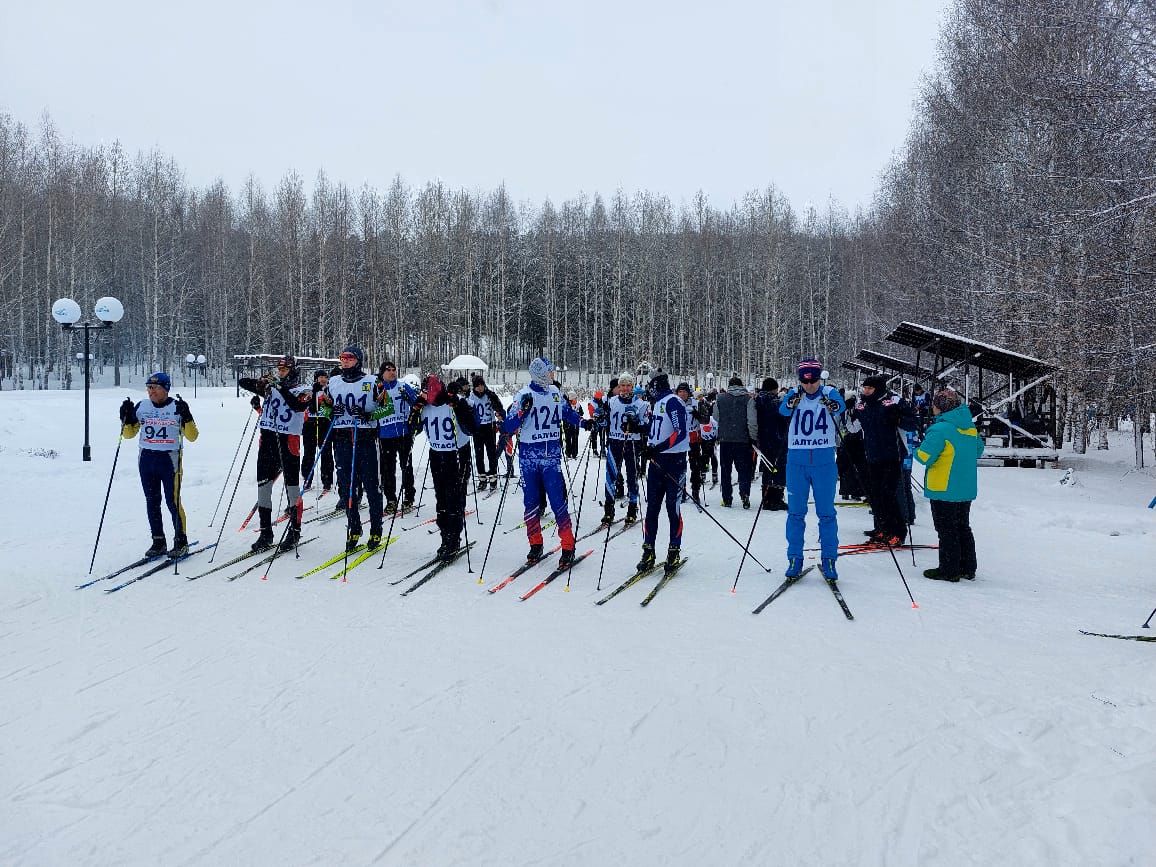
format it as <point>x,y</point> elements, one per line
<point>356,352</point>
<point>626,376</point>
<point>810,370</point>
<point>683,386</point>
<point>659,382</point>
<point>769,384</point>
<point>540,370</point>
<point>320,372</point>
<point>877,382</point>
<point>946,400</point>
<point>160,378</point>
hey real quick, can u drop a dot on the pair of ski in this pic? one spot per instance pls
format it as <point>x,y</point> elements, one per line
<point>430,568</point>
<point>168,564</point>
<point>249,555</point>
<point>530,564</point>
<point>782,588</point>
<point>350,560</point>
<point>667,575</point>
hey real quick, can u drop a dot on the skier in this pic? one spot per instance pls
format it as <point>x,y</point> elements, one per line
<point>279,447</point>
<point>734,413</point>
<point>694,414</point>
<point>355,410</point>
<point>667,447</point>
<point>313,434</point>
<point>538,417</point>
<point>570,431</point>
<point>813,410</point>
<point>163,424</point>
<point>395,445</point>
<point>448,423</point>
<point>627,419</point>
<point>710,438</point>
<point>488,413</point>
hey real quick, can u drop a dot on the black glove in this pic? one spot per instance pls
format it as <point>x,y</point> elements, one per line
<point>527,403</point>
<point>339,409</point>
<point>128,412</point>
<point>831,404</point>
<point>793,400</point>
<point>587,424</point>
<point>255,402</point>
<point>186,414</point>
<point>358,413</point>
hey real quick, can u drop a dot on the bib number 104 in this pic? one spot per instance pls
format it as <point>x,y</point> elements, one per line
<point>807,421</point>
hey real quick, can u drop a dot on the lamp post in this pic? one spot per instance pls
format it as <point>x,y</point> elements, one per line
<point>195,363</point>
<point>67,312</point>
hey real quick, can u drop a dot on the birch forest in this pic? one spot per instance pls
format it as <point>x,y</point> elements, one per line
<point>1021,210</point>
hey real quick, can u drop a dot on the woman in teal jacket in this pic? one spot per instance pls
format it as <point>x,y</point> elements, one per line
<point>950,450</point>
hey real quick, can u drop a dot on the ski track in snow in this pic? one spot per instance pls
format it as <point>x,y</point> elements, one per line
<point>321,722</point>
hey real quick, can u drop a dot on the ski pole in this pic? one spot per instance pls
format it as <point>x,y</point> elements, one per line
<point>581,502</point>
<point>309,478</point>
<point>750,538</point>
<point>236,452</point>
<point>288,524</point>
<point>349,507</point>
<point>708,514</point>
<point>494,529</point>
<point>1149,620</point>
<point>474,482</point>
<point>425,473</point>
<point>465,523</point>
<point>605,546</point>
<point>100,527</point>
<point>601,452</point>
<point>233,496</point>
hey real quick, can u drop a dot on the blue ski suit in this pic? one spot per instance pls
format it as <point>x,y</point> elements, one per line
<point>811,439</point>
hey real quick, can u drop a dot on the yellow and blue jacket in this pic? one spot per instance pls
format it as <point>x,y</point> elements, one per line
<point>950,450</point>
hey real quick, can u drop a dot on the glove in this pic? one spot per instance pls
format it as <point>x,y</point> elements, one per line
<point>358,413</point>
<point>183,411</point>
<point>831,404</point>
<point>128,412</point>
<point>527,404</point>
<point>793,399</point>
<point>255,402</point>
<point>339,409</point>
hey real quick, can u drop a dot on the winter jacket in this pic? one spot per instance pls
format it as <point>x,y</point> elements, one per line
<point>950,449</point>
<point>772,426</point>
<point>734,416</point>
<point>882,415</point>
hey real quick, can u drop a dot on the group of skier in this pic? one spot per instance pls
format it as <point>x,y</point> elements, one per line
<point>359,428</point>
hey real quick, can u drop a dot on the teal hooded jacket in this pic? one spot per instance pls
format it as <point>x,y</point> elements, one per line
<point>950,450</point>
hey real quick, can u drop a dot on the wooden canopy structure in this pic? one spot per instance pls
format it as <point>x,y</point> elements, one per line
<point>1011,395</point>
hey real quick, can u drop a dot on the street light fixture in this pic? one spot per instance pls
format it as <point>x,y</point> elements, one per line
<point>195,363</point>
<point>67,312</point>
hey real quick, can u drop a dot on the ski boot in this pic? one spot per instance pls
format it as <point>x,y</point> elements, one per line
<point>407,503</point>
<point>794,567</point>
<point>352,540</point>
<point>746,500</point>
<point>374,541</point>
<point>265,539</point>
<point>180,546</point>
<point>647,561</point>
<point>450,547</point>
<point>390,506</point>
<point>631,514</point>
<point>673,558</point>
<point>535,553</point>
<point>938,575</point>
<point>158,547</point>
<point>608,513</point>
<point>339,506</point>
<point>567,558</point>
<point>827,567</point>
<point>290,540</point>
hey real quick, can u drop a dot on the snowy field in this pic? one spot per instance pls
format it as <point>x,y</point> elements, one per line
<point>320,722</point>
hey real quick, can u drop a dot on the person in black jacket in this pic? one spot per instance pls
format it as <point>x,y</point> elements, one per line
<point>772,443</point>
<point>316,427</point>
<point>882,413</point>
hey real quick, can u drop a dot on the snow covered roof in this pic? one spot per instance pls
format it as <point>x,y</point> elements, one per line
<point>959,348</point>
<point>890,363</point>
<point>466,362</point>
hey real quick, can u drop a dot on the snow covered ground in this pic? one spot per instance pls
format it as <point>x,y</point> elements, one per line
<point>319,722</point>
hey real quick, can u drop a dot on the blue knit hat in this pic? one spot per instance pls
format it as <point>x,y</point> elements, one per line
<point>160,378</point>
<point>540,370</point>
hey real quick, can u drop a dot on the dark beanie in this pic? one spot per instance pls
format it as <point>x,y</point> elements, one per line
<point>877,382</point>
<point>735,380</point>
<point>319,373</point>
<point>660,382</point>
<point>478,380</point>
<point>769,384</point>
<point>683,386</point>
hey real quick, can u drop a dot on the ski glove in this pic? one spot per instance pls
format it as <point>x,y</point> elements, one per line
<point>128,412</point>
<point>183,411</point>
<point>255,402</point>
<point>527,404</point>
<point>358,413</point>
<point>587,424</point>
<point>831,404</point>
<point>794,399</point>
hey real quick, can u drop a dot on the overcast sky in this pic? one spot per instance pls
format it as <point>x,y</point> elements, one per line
<point>551,97</point>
